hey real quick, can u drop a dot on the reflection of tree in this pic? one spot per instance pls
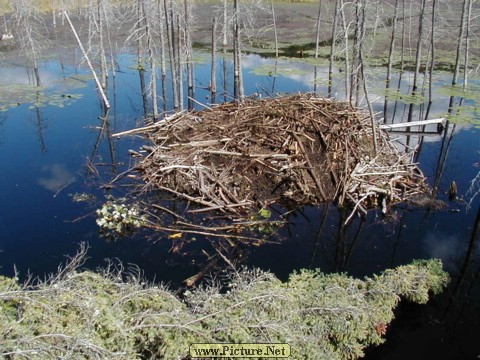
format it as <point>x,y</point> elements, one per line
<point>104,132</point>
<point>39,124</point>
<point>345,240</point>
<point>466,279</point>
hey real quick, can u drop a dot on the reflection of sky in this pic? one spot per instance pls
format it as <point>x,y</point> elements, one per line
<point>19,75</point>
<point>30,178</point>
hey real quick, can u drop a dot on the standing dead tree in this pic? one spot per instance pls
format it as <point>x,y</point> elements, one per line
<point>357,48</point>
<point>213,81</point>
<point>388,80</point>
<point>418,58</point>
<point>170,39</point>
<point>332,47</point>
<point>144,34</point>
<point>30,29</point>
<point>188,55</point>
<point>237,55</point>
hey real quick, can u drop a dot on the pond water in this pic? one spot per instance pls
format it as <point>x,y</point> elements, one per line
<point>49,134</point>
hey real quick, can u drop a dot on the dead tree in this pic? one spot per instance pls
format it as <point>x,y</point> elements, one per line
<point>29,25</point>
<point>432,58</point>
<point>458,54</point>
<point>317,44</point>
<point>213,81</point>
<point>226,21</point>
<point>170,38</point>
<point>238,91</point>
<point>418,58</point>
<point>358,40</point>
<point>388,80</point>
<point>89,63</point>
<point>189,50</point>
<point>345,27</point>
<point>275,28</point>
<point>160,22</point>
<point>332,48</point>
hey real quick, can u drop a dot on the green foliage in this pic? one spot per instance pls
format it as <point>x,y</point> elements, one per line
<point>395,95</point>
<point>13,95</point>
<point>468,112</point>
<point>114,315</point>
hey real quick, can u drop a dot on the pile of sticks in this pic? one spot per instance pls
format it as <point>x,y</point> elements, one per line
<point>294,150</point>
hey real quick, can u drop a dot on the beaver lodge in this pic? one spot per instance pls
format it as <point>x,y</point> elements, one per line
<point>239,158</point>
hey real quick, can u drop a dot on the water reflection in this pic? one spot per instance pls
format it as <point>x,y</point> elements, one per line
<point>58,177</point>
<point>80,134</point>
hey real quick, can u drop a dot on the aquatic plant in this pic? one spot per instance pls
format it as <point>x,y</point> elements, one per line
<point>119,217</point>
<point>114,314</point>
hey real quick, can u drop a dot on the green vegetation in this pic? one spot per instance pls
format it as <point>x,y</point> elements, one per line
<point>113,314</point>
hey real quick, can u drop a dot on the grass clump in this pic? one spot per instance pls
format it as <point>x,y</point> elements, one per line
<point>113,314</point>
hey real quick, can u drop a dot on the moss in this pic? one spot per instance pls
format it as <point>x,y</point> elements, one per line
<point>81,314</point>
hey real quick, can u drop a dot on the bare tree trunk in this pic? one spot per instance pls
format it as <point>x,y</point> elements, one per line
<point>317,44</point>
<point>370,108</point>
<point>467,45</point>
<point>224,45</point>
<point>357,48</point>
<point>188,47</point>
<point>390,60</point>
<point>402,60</point>
<point>317,36</point>
<point>178,48</point>
<point>141,68</point>
<point>213,82</point>
<point>169,27</point>
<point>54,18</point>
<point>418,59</point>
<point>162,56</point>
<point>459,51</point>
<point>347,50</point>
<point>151,58</point>
<point>238,85</point>
<point>275,28</point>
<point>332,48</point>
<point>432,58</point>
<point>103,58</point>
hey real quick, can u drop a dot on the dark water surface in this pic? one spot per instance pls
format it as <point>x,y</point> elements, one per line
<point>43,155</point>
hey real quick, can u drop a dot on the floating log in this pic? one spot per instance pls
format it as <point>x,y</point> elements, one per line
<point>441,121</point>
